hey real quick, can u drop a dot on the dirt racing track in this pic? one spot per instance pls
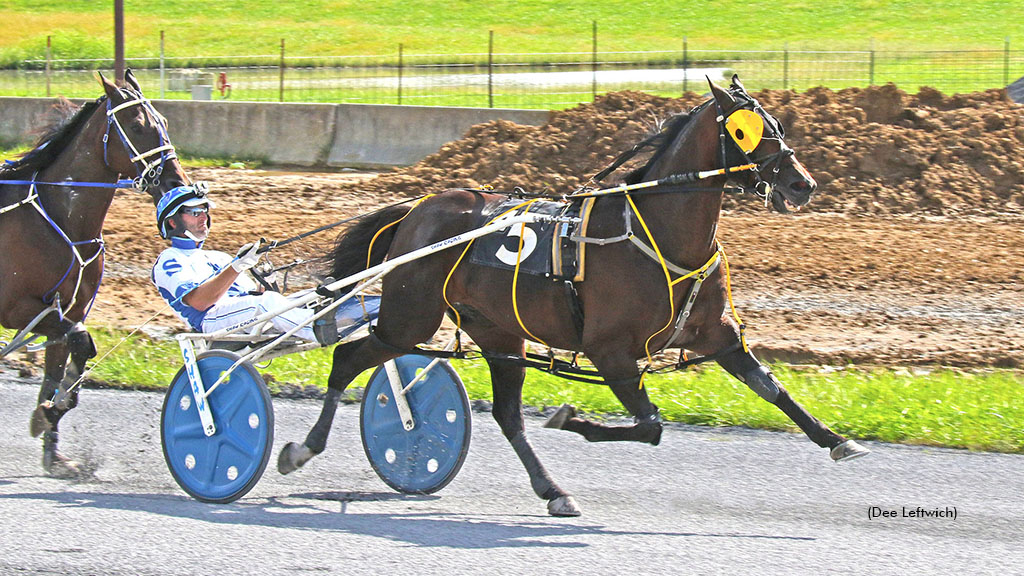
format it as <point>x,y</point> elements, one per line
<point>910,254</point>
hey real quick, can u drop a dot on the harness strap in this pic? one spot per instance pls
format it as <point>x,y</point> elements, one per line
<point>23,337</point>
<point>699,276</point>
<point>32,195</point>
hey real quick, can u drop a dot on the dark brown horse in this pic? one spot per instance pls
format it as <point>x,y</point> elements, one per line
<point>631,304</point>
<point>53,201</point>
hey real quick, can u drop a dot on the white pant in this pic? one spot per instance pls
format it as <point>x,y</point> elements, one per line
<point>234,310</point>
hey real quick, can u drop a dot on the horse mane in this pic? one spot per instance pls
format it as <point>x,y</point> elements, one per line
<point>54,138</point>
<point>670,130</point>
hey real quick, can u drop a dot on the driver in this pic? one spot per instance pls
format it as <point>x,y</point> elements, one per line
<point>206,288</point>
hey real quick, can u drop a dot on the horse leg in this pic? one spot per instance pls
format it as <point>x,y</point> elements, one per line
<point>350,359</point>
<point>646,425</point>
<point>758,378</point>
<point>57,397</point>
<point>507,384</point>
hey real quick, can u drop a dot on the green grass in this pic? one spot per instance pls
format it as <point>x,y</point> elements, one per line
<point>344,27</point>
<point>979,410</point>
<point>952,46</point>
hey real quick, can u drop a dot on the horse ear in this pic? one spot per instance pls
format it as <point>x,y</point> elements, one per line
<point>108,86</point>
<point>736,82</point>
<point>725,100</point>
<point>129,77</point>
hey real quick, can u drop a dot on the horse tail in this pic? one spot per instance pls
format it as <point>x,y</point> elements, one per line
<point>349,255</point>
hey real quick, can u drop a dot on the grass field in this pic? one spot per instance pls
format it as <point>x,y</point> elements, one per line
<point>978,410</point>
<point>340,51</point>
<point>84,29</point>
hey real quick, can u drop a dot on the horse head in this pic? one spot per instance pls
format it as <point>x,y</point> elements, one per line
<point>146,149</point>
<point>756,137</point>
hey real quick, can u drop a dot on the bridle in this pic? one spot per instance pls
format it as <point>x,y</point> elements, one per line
<point>773,131</point>
<point>149,168</point>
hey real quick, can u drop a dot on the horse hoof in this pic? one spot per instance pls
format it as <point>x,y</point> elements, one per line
<point>848,450</point>
<point>564,506</point>
<point>293,456</point>
<point>39,423</point>
<point>60,466</point>
<point>560,417</point>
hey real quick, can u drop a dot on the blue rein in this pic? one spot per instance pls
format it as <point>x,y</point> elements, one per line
<point>148,175</point>
<point>127,183</point>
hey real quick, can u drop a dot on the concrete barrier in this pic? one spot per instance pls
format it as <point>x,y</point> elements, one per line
<point>22,118</point>
<point>336,135</point>
<point>368,135</point>
<point>288,134</point>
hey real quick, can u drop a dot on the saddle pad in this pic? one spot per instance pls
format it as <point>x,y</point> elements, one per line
<point>547,248</point>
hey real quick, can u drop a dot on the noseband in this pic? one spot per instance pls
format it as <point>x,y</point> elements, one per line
<point>149,171</point>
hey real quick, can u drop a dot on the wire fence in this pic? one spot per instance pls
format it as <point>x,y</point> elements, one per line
<point>518,80</point>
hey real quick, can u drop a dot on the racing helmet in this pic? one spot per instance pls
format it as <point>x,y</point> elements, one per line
<point>190,195</point>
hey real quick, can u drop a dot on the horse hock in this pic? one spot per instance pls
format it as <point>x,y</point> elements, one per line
<point>646,428</point>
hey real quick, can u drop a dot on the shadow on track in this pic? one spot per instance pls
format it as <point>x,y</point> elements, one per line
<point>441,530</point>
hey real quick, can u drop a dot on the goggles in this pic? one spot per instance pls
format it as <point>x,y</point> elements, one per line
<point>195,210</point>
<point>746,128</point>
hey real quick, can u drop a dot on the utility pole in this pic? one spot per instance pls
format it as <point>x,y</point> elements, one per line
<point>119,39</point>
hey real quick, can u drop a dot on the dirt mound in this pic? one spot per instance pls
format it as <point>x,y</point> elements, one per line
<point>877,150</point>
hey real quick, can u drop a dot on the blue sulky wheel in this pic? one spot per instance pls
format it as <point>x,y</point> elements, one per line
<point>223,467</point>
<point>425,459</point>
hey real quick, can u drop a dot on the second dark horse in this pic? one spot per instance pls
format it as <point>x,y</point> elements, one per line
<point>630,300</point>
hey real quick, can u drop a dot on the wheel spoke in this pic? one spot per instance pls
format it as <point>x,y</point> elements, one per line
<point>187,430</point>
<point>230,399</point>
<point>210,459</point>
<point>437,434</point>
<point>235,440</point>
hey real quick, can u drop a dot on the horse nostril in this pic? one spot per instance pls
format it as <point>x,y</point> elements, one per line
<point>803,186</point>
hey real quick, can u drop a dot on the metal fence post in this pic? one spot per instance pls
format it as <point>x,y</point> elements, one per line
<point>490,70</point>
<point>871,65</point>
<point>1006,61</point>
<point>785,66</point>
<point>280,90</point>
<point>594,60</point>
<point>48,46</point>
<point>686,64</point>
<point>161,64</point>
<point>400,49</point>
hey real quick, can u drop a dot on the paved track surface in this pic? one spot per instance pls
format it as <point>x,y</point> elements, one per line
<point>707,501</point>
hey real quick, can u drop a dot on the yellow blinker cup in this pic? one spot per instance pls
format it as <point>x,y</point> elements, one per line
<point>746,127</point>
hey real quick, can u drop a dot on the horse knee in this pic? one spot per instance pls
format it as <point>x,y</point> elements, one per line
<point>81,345</point>
<point>745,368</point>
<point>761,380</point>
